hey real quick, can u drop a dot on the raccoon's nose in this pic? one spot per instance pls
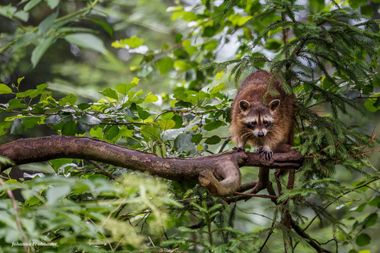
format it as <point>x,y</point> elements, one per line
<point>260,134</point>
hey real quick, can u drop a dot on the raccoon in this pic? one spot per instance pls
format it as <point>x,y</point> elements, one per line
<point>262,114</point>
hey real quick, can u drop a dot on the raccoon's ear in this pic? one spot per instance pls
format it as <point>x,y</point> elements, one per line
<point>244,105</point>
<point>273,105</point>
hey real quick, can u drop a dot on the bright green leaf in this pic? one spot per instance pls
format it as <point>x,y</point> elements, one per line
<point>109,92</point>
<point>4,89</point>
<point>132,42</point>
<point>164,65</point>
<point>150,98</point>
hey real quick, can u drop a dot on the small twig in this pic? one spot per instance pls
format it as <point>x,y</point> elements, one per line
<point>18,220</point>
<point>265,196</point>
<point>335,3</point>
<point>339,197</point>
<point>231,218</point>
<point>102,170</point>
<point>270,231</point>
<point>247,186</point>
<point>226,141</point>
<point>312,242</point>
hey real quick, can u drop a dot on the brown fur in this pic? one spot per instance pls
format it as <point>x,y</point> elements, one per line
<point>259,89</point>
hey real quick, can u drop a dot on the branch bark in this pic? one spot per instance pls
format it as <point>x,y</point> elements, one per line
<point>219,173</point>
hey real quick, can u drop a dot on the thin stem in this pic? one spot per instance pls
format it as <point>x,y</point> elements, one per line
<point>270,231</point>
<point>339,197</point>
<point>18,220</point>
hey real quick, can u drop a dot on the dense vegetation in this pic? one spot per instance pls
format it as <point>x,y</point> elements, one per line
<point>159,76</point>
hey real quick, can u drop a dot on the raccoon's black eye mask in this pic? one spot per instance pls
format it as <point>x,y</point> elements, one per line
<point>251,124</point>
<point>267,123</point>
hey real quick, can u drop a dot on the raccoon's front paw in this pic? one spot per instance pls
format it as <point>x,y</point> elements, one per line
<point>266,152</point>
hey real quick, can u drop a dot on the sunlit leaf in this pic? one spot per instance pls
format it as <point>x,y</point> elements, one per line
<point>4,89</point>
<point>132,42</point>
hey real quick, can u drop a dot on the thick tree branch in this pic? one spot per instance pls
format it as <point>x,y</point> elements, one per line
<point>219,173</point>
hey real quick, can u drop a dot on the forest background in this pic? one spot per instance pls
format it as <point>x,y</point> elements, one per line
<point>159,76</point>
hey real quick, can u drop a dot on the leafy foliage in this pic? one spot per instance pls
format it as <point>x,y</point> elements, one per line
<point>160,79</point>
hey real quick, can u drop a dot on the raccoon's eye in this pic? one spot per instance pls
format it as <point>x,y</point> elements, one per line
<point>267,123</point>
<point>251,124</point>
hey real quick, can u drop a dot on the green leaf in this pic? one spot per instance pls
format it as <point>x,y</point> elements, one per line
<point>5,161</point>
<point>22,15</point>
<point>86,40</point>
<point>111,132</point>
<point>273,44</point>
<point>150,98</point>
<point>30,122</point>
<point>124,88</point>
<point>68,100</point>
<point>166,124</point>
<point>4,127</point>
<point>57,192</point>
<point>210,45</point>
<point>41,49</point>
<point>196,138</point>
<point>16,104</point>
<point>372,104</point>
<point>375,202</point>
<point>109,92</point>
<point>188,47</point>
<point>181,65</point>
<point>239,20</point>
<point>142,113</point>
<point>363,239</point>
<point>150,132</point>
<point>213,125</point>
<point>357,3</point>
<point>213,140</point>
<point>164,65</point>
<point>103,24</point>
<point>4,89</point>
<point>45,25</point>
<point>32,93</point>
<point>370,220</point>
<point>69,128</point>
<point>316,5</point>
<point>367,10</point>
<point>20,79</point>
<point>132,42</point>
<point>217,88</point>
<point>52,3</point>
<point>31,4</point>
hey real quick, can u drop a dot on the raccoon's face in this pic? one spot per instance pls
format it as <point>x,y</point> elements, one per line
<point>258,118</point>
